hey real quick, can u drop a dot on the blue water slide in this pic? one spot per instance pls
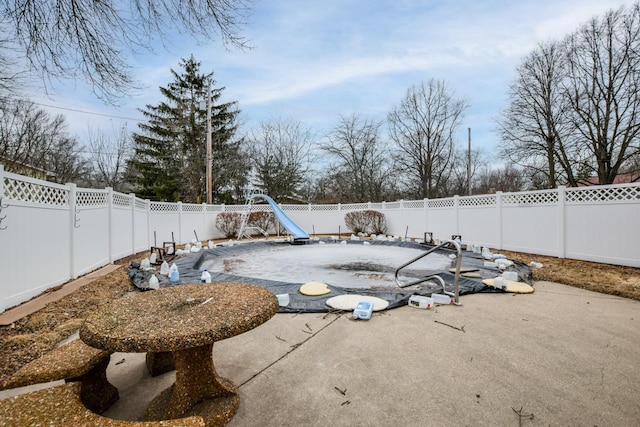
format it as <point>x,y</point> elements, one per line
<point>296,231</point>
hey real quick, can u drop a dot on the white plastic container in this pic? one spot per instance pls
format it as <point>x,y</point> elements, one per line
<point>153,282</point>
<point>419,301</point>
<point>174,274</point>
<point>510,275</point>
<point>441,299</point>
<point>164,268</point>
<point>206,277</point>
<point>283,300</point>
<point>498,283</point>
<point>363,310</point>
<point>145,264</point>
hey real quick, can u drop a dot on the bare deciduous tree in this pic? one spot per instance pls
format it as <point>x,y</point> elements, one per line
<point>603,88</point>
<point>109,154</point>
<point>508,178</point>
<point>30,139</point>
<point>281,153</point>
<point>456,181</point>
<point>362,160</point>
<point>422,126</point>
<point>535,128</point>
<point>93,39</point>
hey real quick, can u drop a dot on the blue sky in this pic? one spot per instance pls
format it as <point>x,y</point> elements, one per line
<point>314,60</point>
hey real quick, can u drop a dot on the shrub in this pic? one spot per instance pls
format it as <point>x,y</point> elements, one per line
<point>229,223</point>
<point>368,221</point>
<point>377,222</point>
<point>356,221</point>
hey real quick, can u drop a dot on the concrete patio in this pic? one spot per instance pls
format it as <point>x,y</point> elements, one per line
<point>561,357</point>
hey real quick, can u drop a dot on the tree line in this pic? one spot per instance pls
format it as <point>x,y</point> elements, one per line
<point>572,114</point>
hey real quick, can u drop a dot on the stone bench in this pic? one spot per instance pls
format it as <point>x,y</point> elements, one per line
<point>72,362</point>
<point>62,406</point>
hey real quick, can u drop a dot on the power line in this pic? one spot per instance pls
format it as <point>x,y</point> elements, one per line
<point>86,112</point>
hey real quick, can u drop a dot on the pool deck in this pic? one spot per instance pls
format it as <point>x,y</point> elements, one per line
<point>563,355</point>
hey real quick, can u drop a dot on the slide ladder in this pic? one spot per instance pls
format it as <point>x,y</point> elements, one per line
<point>244,230</point>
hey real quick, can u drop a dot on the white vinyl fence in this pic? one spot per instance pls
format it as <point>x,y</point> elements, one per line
<point>51,233</point>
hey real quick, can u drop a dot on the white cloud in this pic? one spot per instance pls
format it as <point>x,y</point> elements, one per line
<point>318,58</point>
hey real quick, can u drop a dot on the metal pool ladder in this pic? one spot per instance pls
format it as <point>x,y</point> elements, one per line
<point>456,281</point>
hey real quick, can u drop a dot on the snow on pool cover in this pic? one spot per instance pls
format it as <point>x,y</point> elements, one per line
<point>351,268</point>
<point>343,265</point>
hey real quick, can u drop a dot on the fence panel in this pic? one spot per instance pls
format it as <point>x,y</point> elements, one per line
<point>121,226</point>
<point>164,223</point>
<point>478,221</point>
<point>141,240</point>
<point>192,223</point>
<point>90,230</point>
<point>603,224</point>
<point>531,222</point>
<point>35,238</point>
<point>325,219</point>
<point>441,218</point>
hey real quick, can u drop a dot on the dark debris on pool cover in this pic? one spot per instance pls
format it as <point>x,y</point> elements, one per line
<point>190,270</point>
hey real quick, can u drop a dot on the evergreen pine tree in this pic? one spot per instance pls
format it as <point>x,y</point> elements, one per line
<point>170,149</point>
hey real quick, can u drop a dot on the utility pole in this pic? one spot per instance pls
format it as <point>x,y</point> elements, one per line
<point>469,165</point>
<point>209,154</point>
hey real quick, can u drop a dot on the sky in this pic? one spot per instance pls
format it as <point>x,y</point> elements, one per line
<point>315,60</point>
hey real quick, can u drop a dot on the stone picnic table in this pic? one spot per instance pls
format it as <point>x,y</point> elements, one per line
<point>185,320</point>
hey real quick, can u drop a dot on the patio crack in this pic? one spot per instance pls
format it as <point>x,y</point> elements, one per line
<point>293,348</point>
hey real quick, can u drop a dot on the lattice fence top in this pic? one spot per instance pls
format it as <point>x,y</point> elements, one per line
<point>25,191</point>
<point>441,203</point>
<point>393,205</point>
<point>214,208</point>
<point>602,194</point>
<point>189,207</point>
<point>324,208</point>
<point>121,200</point>
<point>260,208</point>
<point>475,201</point>
<point>163,207</point>
<point>413,204</point>
<point>354,206</point>
<point>295,208</point>
<point>90,198</point>
<point>537,198</point>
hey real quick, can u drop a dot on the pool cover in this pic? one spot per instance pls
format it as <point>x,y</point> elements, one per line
<point>190,270</point>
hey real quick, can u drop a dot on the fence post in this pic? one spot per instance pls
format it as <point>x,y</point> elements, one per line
<point>147,206</point>
<point>133,222</point>
<point>426,214</point>
<point>72,229</point>
<point>2,181</point>
<point>110,222</point>
<point>499,219</point>
<point>456,209</point>
<point>204,221</point>
<point>179,223</point>
<point>561,221</point>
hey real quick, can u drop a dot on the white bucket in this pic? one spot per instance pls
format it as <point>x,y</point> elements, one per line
<point>283,300</point>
